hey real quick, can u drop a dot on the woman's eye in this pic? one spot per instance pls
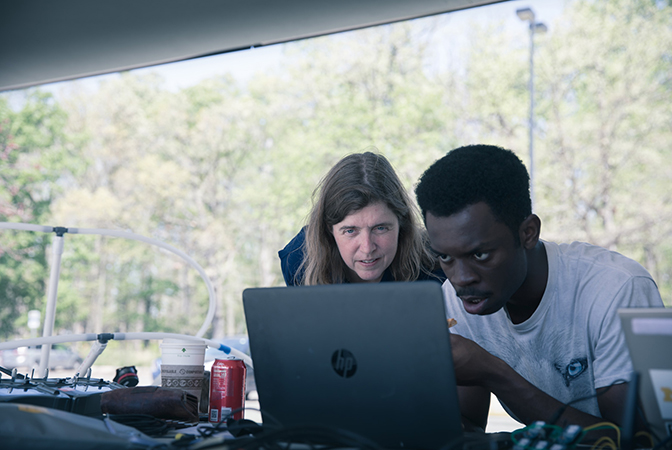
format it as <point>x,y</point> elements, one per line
<point>481,256</point>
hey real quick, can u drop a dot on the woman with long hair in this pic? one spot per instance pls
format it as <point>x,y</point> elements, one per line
<point>363,228</point>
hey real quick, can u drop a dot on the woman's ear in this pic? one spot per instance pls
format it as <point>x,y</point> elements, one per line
<point>529,231</point>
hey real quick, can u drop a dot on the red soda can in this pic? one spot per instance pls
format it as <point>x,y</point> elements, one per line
<point>227,389</point>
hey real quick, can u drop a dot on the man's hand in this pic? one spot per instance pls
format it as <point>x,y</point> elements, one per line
<point>478,372</point>
<point>471,361</point>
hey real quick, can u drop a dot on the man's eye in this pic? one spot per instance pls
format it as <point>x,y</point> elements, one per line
<point>445,258</point>
<point>381,229</point>
<point>481,256</point>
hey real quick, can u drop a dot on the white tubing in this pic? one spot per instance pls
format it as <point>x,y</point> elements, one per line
<point>121,337</point>
<point>208,342</point>
<point>52,292</point>
<point>25,227</point>
<point>97,349</point>
<point>123,234</point>
<point>48,340</point>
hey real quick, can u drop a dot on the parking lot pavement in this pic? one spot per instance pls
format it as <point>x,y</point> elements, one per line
<point>499,419</point>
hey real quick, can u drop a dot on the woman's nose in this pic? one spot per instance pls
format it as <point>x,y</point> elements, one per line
<point>367,244</point>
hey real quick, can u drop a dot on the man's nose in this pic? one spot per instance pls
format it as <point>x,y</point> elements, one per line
<point>461,274</point>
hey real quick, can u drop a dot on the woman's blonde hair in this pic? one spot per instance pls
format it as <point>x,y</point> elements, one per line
<point>355,182</point>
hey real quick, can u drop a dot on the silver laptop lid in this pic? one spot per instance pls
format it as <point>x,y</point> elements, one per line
<point>648,333</point>
<point>373,359</point>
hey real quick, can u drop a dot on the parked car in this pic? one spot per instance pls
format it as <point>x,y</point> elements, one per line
<point>239,342</point>
<point>60,356</point>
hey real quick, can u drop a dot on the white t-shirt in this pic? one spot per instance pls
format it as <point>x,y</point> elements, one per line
<point>573,343</point>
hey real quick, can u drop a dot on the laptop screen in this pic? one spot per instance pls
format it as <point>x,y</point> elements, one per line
<point>648,333</point>
<point>371,359</point>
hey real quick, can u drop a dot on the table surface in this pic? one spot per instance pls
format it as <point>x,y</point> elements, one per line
<point>498,419</point>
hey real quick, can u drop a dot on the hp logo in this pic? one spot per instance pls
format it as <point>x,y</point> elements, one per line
<point>344,363</point>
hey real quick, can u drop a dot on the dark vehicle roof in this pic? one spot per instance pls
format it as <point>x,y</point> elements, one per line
<point>43,41</point>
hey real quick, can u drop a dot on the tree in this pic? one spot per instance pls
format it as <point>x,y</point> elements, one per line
<point>116,284</point>
<point>602,113</point>
<point>225,171</point>
<point>605,111</point>
<point>32,150</point>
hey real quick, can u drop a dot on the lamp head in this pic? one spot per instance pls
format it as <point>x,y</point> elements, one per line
<point>540,28</point>
<point>525,14</point>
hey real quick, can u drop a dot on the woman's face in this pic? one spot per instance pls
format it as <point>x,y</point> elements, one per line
<point>367,241</point>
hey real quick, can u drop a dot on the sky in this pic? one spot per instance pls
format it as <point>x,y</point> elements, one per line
<point>244,64</point>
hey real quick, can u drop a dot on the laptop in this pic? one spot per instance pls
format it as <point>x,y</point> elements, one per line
<point>648,333</point>
<point>369,359</point>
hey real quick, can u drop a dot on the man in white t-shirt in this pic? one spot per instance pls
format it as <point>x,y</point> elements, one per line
<point>536,321</point>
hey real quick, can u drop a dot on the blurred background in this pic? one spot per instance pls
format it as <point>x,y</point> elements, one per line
<point>219,156</point>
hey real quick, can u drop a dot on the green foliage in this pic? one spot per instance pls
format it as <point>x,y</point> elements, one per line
<point>225,171</point>
<point>605,143</point>
<point>31,160</point>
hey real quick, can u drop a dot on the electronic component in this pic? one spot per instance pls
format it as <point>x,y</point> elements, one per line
<point>80,395</point>
<point>541,436</point>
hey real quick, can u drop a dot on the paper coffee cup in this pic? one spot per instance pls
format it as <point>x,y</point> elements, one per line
<point>182,365</point>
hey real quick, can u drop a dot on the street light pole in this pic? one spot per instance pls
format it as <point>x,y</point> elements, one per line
<point>526,14</point>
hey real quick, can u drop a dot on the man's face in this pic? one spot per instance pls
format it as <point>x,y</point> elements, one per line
<point>480,257</point>
<point>367,241</point>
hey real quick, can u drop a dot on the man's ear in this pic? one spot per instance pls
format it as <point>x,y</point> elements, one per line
<point>529,231</point>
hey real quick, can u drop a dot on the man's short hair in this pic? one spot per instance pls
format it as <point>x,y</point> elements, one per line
<point>474,174</point>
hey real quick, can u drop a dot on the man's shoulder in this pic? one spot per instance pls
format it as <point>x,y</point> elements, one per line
<point>583,257</point>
